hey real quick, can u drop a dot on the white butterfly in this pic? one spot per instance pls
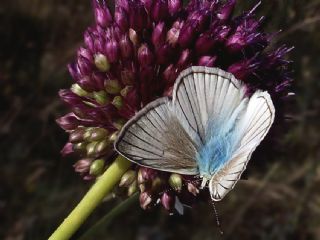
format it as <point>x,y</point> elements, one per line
<point>210,128</point>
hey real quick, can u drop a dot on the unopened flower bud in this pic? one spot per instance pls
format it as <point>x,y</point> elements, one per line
<point>207,61</point>
<point>138,16</point>
<point>77,135</point>
<point>187,34</point>
<point>126,47</point>
<point>80,147</point>
<point>102,14</point>
<point>97,134</point>
<point>113,136</point>
<point>128,178</point>
<point>112,86</point>
<point>160,10</point>
<point>185,59</point>
<point>164,53</point>
<point>193,189</point>
<point>204,44</point>
<point>67,149</point>
<point>68,122</point>
<point>91,149</point>
<point>84,65</point>
<point>226,10</point>
<point>121,18</point>
<point>83,165</point>
<point>101,97</point>
<point>175,181</point>
<point>101,62</point>
<point>145,200</point>
<point>159,34</point>
<point>174,6</point>
<point>132,188</point>
<point>156,184</point>
<point>133,36</point>
<point>167,201</point>
<point>76,89</point>
<point>102,147</point>
<point>112,51</point>
<point>97,167</point>
<point>117,102</point>
<point>145,56</point>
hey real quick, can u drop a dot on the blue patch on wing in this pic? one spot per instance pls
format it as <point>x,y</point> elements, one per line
<point>222,138</point>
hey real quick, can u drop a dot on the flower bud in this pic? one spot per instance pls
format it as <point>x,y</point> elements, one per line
<point>77,135</point>
<point>207,61</point>
<point>170,74</point>
<point>101,62</point>
<point>226,10</point>
<point>132,188</point>
<point>156,184</point>
<point>76,89</point>
<point>97,167</point>
<point>173,33</point>
<point>242,69</point>
<point>102,147</point>
<point>84,65</point>
<point>83,165</point>
<point>138,16</point>
<point>87,84</point>
<point>160,10</point>
<point>142,187</point>
<point>145,200</point>
<point>102,14</point>
<point>67,149</point>
<point>68,122</point>
<point>133,36</point>
<point>167,201</point>
<point>112,51</point>
<point>88,39</point>
<point>145,56</point>
<point>112,86</point>
<point>204,44</point>
<point>187,34</point>
<point>159,34</point>
<point>117,102</point>
<point>113,136</point>
<point>126,47</point>
<point>80,147</point>
<point>83,52</point>
<point>97,134</point>
<point>175,181</point>
<point>192,189</point>
<point>128,178</point>
<point>164,53</point>
<point>91,149</point>
<point>101,97</point>
<point>185,59</point>
<point>174,6</point>
<point>121,18</point>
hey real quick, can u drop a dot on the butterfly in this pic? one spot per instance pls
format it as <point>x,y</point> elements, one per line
<point>209,128</point>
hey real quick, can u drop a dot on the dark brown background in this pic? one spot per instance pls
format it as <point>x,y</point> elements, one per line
<point>38,188</point>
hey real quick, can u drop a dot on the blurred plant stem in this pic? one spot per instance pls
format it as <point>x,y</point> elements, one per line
<point>101,225</point>
<point>92,199</point>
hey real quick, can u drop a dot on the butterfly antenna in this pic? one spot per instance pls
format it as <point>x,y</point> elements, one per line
<point>217,218</point>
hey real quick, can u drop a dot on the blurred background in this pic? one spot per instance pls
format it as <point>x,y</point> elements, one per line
<point>38,187</point>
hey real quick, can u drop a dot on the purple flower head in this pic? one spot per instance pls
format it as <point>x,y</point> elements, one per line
<point>133,55</point>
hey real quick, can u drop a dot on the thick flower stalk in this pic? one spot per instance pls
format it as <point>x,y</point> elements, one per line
<point>133,54</point>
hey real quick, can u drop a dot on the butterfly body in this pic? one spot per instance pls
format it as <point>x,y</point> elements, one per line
<point>209,128</point>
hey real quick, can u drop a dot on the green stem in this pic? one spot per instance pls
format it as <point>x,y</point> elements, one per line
<point>92,199</point>
<point>94,231</point>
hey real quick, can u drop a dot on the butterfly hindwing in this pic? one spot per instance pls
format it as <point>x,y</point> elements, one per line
<point>155,138</point>
<point>252,128</point>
